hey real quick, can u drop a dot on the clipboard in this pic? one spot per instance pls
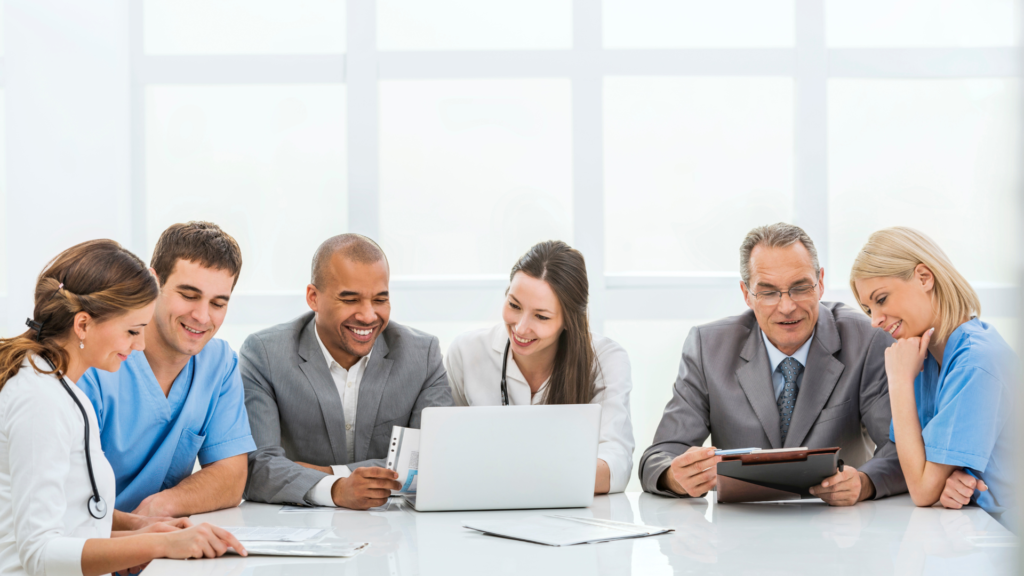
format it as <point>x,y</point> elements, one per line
<point>773,475</point>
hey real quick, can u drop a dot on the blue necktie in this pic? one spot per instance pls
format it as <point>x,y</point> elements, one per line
<point>791,369</point>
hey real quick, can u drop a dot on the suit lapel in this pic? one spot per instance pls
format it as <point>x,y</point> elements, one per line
<point>820,377</point>
<point>314,366</point>
<point>755,377</point>
<point>371,390</point>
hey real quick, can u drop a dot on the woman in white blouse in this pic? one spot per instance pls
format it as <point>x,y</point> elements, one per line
<point>552,356</point>
<point>56,487</point>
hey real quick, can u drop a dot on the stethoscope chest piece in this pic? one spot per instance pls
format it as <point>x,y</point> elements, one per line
<point>97,507</point>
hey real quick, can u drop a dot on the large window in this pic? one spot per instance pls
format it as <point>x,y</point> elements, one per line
<point>651,134</point>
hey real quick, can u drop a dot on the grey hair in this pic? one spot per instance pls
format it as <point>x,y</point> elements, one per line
<point>355,247</point>
<point>778,235</point>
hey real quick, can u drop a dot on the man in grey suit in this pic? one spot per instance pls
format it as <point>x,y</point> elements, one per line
<point>324,390</point>
<point>790,372</point>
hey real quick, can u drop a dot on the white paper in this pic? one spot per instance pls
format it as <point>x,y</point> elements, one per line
<point>321,549</point>
<point>404,457</point>
<point>276,533</point>
<point>555,530</point>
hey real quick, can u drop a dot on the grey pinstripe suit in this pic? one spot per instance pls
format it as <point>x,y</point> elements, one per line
<point>295,410</point>
<point>725,388</point>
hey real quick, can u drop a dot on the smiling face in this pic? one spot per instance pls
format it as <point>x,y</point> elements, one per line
<point>903,308</point>
<point>110,342</point>
<point>352,307</point>
<point>787,324</point>
<point>191,308</point>
<point>533,316</point>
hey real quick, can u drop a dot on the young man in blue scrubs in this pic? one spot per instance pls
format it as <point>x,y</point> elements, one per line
<point>182,397</point>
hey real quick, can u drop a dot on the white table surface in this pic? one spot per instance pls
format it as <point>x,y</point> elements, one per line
<point>890,536</point>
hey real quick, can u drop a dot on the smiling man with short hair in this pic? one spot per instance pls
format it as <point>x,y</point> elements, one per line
<point>324,390</point>
<point>791,372</point>
<point>182,397</point>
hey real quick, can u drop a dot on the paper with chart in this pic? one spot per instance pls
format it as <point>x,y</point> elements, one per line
<point>558,530</point>
<point>276,533</point>
<point>404,457</point>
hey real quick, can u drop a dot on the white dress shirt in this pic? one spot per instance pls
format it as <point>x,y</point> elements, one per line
<point>347,382</point>
<point>44,482</point>
<point>473,363</point>
<point>775,357</point>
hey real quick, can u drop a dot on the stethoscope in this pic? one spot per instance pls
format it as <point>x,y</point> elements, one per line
<point>97,505</point>
<point>504,367</point>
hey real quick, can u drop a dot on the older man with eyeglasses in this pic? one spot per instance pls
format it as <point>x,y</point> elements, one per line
<point>790,372</point>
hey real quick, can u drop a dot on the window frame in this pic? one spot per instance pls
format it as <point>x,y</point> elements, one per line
<point>634,296</point>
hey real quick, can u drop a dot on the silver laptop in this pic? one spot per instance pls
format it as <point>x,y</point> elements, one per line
<point>507,457</point>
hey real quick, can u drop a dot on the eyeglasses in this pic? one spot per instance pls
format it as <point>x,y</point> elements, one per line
<point>801,293</point>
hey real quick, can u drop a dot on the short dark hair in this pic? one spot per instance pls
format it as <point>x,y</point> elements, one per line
<point>201,242</point>
<point>355,247</point>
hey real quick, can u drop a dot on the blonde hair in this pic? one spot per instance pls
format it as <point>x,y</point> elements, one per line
<point>896,252</point>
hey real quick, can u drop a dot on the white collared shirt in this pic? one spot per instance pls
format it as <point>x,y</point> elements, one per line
<point>347,382</point>
<point>44,481</point>
<point>775,357</point>
<point>473,363</point>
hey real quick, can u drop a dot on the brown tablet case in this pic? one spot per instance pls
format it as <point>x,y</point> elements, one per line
<point>771,476</point>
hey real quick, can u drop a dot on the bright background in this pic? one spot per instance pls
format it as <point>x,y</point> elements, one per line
<point>650,134</point>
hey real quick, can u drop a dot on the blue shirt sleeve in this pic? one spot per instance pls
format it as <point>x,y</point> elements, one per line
<point>228,433</point>
<point>971,410</point>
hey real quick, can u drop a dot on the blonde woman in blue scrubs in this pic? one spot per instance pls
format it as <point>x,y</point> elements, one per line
<point>956,441</point>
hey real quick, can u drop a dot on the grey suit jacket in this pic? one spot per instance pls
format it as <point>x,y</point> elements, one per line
<point>725,388</point>
<point>295,410</point>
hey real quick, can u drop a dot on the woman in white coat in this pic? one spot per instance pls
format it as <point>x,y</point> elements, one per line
<point>552,358</point>
<point>56,487</point>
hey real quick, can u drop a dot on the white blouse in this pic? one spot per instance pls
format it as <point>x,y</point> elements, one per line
<point>44,482</point>
<point>473,363</point>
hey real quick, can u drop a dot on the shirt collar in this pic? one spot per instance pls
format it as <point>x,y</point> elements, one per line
<point>775,356</point>
<point>330,359</point>
<point>499,338</point>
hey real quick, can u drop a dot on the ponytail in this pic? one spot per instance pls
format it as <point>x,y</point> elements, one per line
<point>100,278</point>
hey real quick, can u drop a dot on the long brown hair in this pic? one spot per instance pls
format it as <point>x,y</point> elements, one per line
<point>98,277</point>
<point>563,268</point>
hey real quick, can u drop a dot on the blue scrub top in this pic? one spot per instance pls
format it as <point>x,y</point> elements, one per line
<point>966,410</point>
<point>151,441</point>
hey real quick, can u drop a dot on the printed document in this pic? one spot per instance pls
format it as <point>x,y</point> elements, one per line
<point>558,530</point>
<point>404,457</point>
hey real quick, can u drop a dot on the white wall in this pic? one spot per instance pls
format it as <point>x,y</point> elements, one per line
<point>68,113</point>
<point>649,133</point>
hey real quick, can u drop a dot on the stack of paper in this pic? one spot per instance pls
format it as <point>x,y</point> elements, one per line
<point>311,549</point>
<point>287,541</point>
<point>557,530</point>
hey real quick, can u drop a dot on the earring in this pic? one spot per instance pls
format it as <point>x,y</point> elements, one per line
<point>81,344</point>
